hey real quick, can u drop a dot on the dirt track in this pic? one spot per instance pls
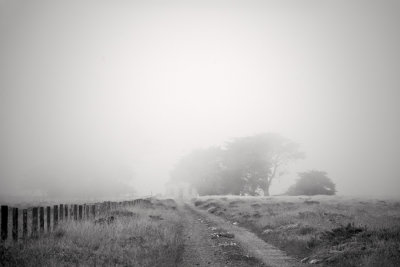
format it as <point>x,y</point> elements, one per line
<point>204,246</point>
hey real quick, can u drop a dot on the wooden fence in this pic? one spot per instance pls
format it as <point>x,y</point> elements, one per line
<point>32,221</point>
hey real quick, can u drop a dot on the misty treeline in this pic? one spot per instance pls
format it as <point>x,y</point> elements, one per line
<point>244,166</point>
<point>248,166</point>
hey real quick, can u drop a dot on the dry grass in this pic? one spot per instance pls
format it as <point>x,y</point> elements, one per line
<point>138,236</point>
<point>335,231</point>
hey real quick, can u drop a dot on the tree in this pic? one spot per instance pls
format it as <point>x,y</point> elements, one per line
<point>312,183</point>
<point>201,169</point>
<point>257,159</point>
<point>245,165</point>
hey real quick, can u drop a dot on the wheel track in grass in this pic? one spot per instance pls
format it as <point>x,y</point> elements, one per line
<point>244,249</point>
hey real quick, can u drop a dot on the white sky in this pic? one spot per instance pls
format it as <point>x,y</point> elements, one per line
<point>100,91</point>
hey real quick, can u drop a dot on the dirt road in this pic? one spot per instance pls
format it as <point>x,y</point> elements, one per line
<point>212,241</point>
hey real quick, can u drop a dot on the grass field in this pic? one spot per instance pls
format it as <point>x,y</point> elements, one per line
<point>143,235</point>
<point>332,231</point>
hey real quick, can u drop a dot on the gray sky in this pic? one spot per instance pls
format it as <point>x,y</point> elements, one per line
<point>108,93</point>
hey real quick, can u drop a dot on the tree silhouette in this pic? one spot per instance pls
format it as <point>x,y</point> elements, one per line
<point>245,165</point>
<point>256,159</point>
<point>312,183</point>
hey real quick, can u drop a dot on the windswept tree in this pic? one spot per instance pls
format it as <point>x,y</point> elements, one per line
<point>256,160</point>
<point>312,183</point>
<point>246,165</point>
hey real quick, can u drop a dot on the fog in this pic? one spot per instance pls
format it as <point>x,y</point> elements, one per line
<point>102,98</point>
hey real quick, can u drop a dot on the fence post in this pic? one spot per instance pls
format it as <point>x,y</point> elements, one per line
<point>55,216</point>
<point>87,212</point>
<point>4,222</point>
<point>66,211</point>
<point>94,211</point>
<point>48,217</point>
<point>15,224</point>
<point>34,222</point>
<point>41,219</point>
<point>80,212</point>
<point>61,212</point>
<point>75,212</point>
<point>24,223</point>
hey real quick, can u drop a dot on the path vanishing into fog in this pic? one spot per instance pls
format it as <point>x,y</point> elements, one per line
<point>208,241</point>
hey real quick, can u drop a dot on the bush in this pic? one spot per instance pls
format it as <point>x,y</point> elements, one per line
<point>312,183</point>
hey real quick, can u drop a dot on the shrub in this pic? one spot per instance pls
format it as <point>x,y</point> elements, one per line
<point>312,183</point>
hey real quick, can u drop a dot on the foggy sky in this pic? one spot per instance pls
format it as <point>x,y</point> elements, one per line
<point>108,95</point>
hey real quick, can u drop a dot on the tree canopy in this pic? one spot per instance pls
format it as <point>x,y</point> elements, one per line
<point>246,165</point>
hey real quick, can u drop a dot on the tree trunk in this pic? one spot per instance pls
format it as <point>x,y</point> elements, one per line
<point>266,190</point>
<point>269,180</point>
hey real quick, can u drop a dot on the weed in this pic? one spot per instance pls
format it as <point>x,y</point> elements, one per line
<point>305,230</point>
<point>198,203</point>
<point>59,233</point>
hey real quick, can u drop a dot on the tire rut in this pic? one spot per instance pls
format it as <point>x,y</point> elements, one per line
<point>201,248</point>
<point>250,244</point>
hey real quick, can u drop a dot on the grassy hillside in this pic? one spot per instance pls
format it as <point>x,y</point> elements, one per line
<point>144,235</point>
<point>333,231</point>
